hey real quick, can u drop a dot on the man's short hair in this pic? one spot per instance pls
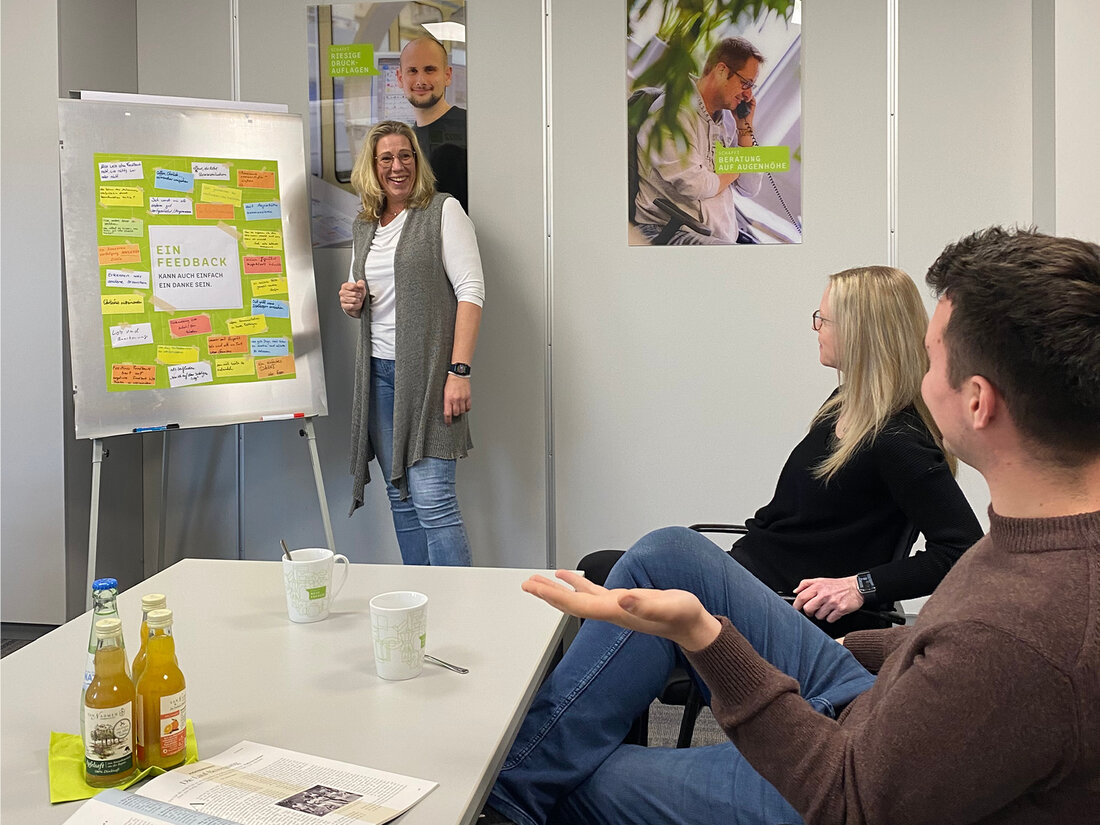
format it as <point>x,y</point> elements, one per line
<point>426,38</point>
<point>734,52</point>
<point>1025,315</point>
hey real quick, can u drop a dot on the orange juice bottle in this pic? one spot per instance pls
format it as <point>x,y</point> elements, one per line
<point>150,601</point>
<point>161,698</point>
<point>109,711</point>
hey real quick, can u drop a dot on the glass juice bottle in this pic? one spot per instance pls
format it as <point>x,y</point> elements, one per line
<point>109,711</point>
<point>161,698</point>
<point>149,602</point>
<point>104,593</point>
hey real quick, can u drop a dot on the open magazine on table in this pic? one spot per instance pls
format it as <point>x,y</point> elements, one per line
<point>252,784</point>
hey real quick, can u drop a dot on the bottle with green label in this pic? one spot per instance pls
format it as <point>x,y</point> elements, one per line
<point>109,757</point>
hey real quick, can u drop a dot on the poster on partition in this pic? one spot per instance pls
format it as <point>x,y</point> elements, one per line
<point>192,272</point>
<point>376,61</point>
<point>714,123</point>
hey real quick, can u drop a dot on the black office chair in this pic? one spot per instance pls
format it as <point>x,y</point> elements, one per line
<point>638,105</point>
<point>680,689</point>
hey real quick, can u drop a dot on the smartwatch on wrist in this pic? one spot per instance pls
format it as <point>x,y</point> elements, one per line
<point>459,369</point>
<point>865,585</point>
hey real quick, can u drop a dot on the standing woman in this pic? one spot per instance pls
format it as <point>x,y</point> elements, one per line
<point>415,255</point>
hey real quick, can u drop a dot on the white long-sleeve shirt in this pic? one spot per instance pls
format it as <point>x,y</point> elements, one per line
<point>461,260</point>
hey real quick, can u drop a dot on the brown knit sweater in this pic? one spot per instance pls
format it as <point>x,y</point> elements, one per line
<point>987,710</point>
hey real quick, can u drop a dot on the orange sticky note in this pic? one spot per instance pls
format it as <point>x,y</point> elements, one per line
<point>255,179</point>
<point>272,367</point>
<point>193,325</point>
<point>214,211</point>
<point>122,253</point>
<point>224,344</point>
<point>144,375</point>
<point>262,264</point>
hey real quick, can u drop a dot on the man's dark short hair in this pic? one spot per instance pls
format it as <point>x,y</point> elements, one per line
<point>1025,315</point>
<point>734,52</point>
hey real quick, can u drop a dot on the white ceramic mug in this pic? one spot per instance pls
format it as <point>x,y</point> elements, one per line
<point>399,627</point>
<point>308,580</point>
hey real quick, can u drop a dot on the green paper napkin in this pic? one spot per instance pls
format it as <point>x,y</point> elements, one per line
<point>67,766</point>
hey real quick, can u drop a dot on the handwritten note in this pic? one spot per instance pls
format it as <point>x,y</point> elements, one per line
<point>262,264</point>
<point>270,308</point>
<point>160,205</point>
<point>192,325</point>
<point>274,367</point>
<point>269,346</point>
<point>263,239</point>
<point>126,253</point>
<point>167,354</point>
<point>184,375</point>
<point>255,179</point>
<point>214,211</point>
<point>144,375</point>
<point>213,193</point>
<point>234,367</point>
<point>120,196</point>
<point>210,171</point>
<point>247,325</point>
<point>130,278</point>
<point>261,210</point>
<point>127,227</point>
<point>175,180</point>
<point>225,344</point>
<point>122,304</point>
<point>121,170</point>
<point>131,335</point>
<point>269,286</point>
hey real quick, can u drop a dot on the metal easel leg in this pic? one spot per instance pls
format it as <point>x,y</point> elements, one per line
<point>308,432</point>
<point>98,454</point>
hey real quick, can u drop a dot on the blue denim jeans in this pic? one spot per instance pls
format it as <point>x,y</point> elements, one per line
<point>428,523</point>
<point>568,763</point>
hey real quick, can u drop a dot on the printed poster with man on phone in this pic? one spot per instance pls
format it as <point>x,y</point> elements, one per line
<point>714,118</point>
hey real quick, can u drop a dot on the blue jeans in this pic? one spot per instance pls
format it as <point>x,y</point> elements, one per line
<point>568,763</point>
<point>428,523</point>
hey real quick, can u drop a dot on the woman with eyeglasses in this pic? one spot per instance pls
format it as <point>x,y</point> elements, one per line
<point>870,471</point>
<point>417,287</point>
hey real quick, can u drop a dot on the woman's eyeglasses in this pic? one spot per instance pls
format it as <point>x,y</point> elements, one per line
<point>386,161</point>
<point>819,319</point>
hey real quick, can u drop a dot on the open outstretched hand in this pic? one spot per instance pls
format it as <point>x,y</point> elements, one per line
<point>673,614</point>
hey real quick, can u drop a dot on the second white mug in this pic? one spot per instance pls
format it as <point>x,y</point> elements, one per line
<point>308,577</point>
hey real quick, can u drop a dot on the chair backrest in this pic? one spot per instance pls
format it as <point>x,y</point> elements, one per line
<point>637,109</point>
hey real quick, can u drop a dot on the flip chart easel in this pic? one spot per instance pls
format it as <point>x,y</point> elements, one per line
<point>166,206</point>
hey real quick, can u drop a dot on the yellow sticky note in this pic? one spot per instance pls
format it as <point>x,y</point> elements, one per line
<point>234,367</point>
<point>177,355</point>
<point>121,196</point>
<point>269,286</point>
<point>123,304</point>
<point>213,193</point>
<point>262,239</point>
<point>247,325</point>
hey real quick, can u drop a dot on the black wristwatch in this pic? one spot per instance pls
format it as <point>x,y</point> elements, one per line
<point>865,585</point>
<point>459,369</point>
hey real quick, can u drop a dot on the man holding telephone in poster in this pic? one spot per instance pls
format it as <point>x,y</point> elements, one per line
<point>721,109</point>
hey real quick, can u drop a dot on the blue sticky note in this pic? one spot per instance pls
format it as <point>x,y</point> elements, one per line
<point>270,308</point>
<point>261,210</point>
<point>269,346</point>
<point>175,180</point>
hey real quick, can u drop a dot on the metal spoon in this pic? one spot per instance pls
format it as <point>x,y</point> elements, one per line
<point>286,550</point>
<point>447,665</point>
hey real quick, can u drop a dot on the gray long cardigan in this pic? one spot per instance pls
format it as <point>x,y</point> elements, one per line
<point>426,307</point>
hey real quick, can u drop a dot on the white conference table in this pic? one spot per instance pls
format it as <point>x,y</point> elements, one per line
<point>253,674</point>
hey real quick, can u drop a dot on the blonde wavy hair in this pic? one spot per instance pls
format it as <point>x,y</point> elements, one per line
<point>364,175</point>
<point>880,322</point>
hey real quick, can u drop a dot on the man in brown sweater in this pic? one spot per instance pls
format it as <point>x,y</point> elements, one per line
<point>986,710</point>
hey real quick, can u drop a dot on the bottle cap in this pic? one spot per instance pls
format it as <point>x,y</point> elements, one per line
<point>151,601</point>
<point>107,627</point>
<point>161,617</point>
<point>104,584</point>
